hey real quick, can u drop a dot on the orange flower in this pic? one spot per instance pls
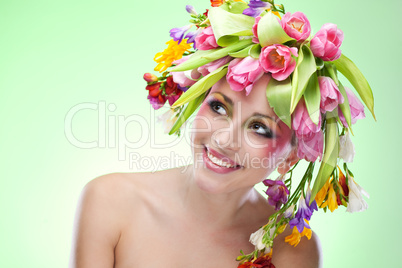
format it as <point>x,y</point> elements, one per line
<point>217,3</point>
<point>294,238</point>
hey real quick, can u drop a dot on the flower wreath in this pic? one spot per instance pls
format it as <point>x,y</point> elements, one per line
<point>244,41</point>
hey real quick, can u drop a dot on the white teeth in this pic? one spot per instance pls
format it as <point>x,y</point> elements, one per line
<point>217,161</point>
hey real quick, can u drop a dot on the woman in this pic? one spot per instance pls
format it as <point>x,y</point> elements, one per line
<point>274,96</point>
<point>199,215</point>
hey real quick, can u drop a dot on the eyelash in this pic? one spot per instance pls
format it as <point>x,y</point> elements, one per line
<point>268,133</point>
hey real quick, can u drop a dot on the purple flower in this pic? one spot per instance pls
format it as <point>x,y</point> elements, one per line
<point>190,9</point>
<point>300,223</point>
<point>191,37</point>
<point>178,33</point>
<point>313,205</point>
<point>256,7</point>
<point>303,213</point>
<point>277,192</point>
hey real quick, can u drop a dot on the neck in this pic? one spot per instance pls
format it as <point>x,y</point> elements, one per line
<point>216,209</point>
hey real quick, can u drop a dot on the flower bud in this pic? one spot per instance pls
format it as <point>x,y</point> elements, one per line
<point>289,212</point>
<point>150,77</point>
<point>190,9</point>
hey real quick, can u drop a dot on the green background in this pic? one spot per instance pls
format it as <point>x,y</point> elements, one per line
<point>55,55</point>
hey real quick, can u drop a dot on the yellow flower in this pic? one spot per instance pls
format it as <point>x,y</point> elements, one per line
<point>320,197</point>
<point>282,228</point>
<point>294,238</point>
<point>331,201</point>
<point>173,52</point>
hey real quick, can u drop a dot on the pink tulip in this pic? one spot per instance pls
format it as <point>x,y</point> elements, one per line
<point>326,42</point>
<point>187,78</point>
<point>301,121</point>
<point>356,108</point>
<point>330,95</point>
<point>255,33</point>
<point>277,59</point>
<point>212,66</point>
<point>296,25</point>
<point>243,72</point>
<point>310,147</point>
<point>206,39</point>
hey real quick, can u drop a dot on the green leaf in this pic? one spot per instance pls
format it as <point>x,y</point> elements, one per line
<point>331,153</point>
<point>329,68</point>
<point>255,51</point>
<point>312,97</point>
<point>227,27</point>
<point>345,108</point>
<point>188,111</point>
<point>236,7</point>
<point>278,95</point>
<point>319,63</point>
<point>270,31</point>
<point>202,57</point>
<point>194,61</point>
<point>357,79</point>
<point>305,67</point>
<point>241,53</point>
<point>201,86</point>
<point>220,53</point>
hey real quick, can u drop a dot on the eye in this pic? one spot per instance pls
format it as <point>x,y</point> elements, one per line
<point>217,107</point>
<point>261,129</point>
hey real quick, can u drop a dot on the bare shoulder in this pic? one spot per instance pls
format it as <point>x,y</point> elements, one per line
<point>101,214</point>
<point>307,254</point>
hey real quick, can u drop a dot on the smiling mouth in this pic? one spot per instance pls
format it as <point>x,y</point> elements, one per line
<point>219,162</point>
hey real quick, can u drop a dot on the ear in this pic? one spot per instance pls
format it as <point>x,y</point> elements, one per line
<point>289,162</point>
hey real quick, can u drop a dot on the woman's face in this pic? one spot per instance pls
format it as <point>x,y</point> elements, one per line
<point>237,140</point>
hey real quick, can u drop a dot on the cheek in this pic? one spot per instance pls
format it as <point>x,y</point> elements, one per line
<point>201,126</point>
<point>267,153</point>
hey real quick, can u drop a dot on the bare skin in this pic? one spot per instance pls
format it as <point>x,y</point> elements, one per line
<point>147,220</point>
<point>192,216</point>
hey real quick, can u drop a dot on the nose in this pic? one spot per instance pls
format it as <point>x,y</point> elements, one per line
<point>227,138</point>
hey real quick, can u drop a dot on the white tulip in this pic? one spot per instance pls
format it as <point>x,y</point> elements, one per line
<point>356,201</point>
<point>167,119</point>
<point>256,239</point>
<point>347,148</point>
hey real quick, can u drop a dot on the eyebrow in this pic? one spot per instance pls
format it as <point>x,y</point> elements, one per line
<point>228,100</point>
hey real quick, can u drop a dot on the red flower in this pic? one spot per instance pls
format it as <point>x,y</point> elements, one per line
<point>344,189</point>
<point>172,91</point>
<point>155,95</point>
<point>154,89</point>
<point>261,262</point>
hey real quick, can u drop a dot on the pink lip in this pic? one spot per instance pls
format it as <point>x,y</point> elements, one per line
<point>218,169</point>
<point>222,157</point>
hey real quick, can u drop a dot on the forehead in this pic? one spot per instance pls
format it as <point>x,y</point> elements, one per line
<point>255,102</point>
